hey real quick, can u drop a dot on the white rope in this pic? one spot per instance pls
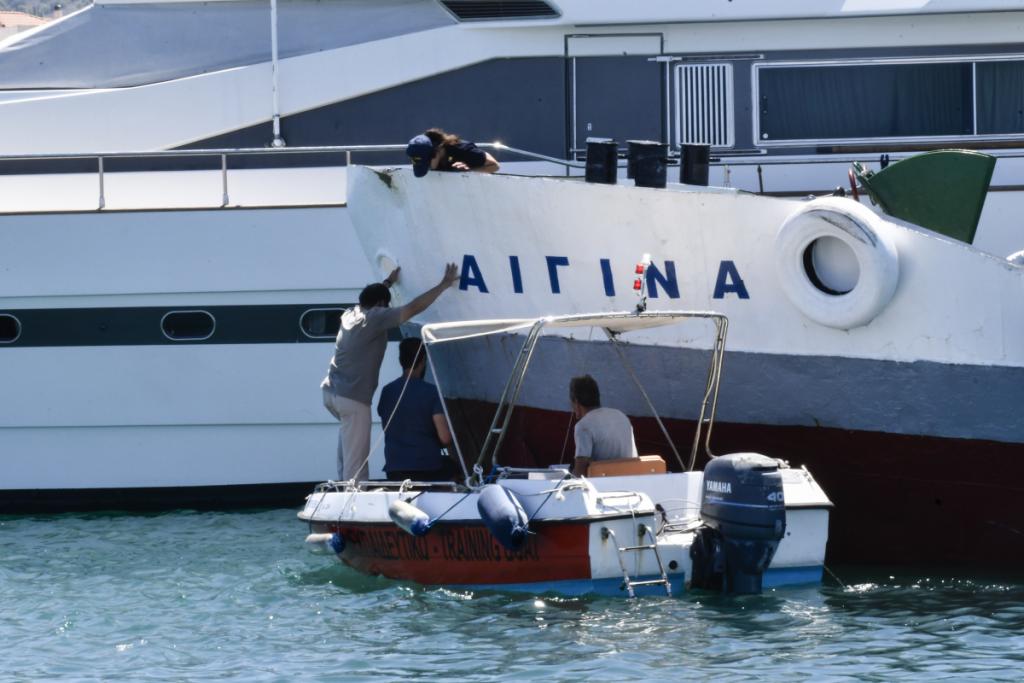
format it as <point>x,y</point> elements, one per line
<point>394,411</point>
<point>572,416</point>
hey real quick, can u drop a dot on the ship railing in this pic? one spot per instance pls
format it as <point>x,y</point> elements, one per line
<point>345,153</point>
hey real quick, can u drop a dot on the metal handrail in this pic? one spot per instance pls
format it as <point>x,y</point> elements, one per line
<point>229,151</point>
<point>252,151</point>
<point>357,149</point>
<point>347,151</point>
<point>224,153</point>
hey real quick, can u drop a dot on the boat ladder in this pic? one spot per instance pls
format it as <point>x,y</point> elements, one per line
<point>645,534</point>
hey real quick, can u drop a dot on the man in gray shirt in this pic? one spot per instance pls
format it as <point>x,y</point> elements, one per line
<point>601,433</point>
<point>355,367</point>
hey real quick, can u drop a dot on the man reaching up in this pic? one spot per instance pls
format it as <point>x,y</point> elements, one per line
<point>355,367</point>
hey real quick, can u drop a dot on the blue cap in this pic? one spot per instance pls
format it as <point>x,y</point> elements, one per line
<point>421,151</point>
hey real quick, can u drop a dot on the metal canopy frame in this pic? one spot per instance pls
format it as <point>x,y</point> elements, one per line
<point>614,326</point>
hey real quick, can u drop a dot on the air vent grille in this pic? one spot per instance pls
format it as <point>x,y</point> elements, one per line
<point>705,104</point>
<point>483,10</point>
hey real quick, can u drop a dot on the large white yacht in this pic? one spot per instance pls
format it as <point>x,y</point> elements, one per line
<point>167,302</point>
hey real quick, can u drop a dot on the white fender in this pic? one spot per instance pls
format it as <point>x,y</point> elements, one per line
<point>865,234</point>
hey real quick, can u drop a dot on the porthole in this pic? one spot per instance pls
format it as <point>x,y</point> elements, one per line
<point>831,265</point>
<point>188,325</point>
<point>321,323</point>
<point>10,328</point>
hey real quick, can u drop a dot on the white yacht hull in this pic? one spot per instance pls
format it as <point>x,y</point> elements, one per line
<point>98,407</point>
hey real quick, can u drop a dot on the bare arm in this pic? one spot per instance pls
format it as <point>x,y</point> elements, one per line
<point>491,166</point>
<point>443,433</point>
<point>584,449</point>
<point>423,301</point>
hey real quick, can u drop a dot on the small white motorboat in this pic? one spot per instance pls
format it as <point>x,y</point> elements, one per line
<point>628,527</point>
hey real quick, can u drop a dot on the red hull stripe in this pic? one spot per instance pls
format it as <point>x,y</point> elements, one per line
<point>467,554</point>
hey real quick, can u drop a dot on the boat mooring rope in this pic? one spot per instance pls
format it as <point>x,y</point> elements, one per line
<point>572,416</point>
<point>394,411</point>
<point>833,575</point>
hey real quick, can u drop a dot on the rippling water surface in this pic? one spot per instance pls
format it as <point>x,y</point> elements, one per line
<point>193,596</point>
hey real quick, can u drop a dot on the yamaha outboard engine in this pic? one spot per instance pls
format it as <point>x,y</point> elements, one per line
<point>744,513</point>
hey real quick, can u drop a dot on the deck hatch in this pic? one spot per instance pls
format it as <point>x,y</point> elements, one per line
<point>484,10</point>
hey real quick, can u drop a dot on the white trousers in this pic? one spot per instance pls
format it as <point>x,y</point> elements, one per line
<point>353,435</point>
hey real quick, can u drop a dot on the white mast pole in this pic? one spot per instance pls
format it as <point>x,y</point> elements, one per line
<point>278,141</point>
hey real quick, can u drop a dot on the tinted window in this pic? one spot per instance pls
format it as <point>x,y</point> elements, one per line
<point>1000,97</point>
<point>321,322</point>
<point>865,101</point>
<point>188,325</point>
<point>10,328</point>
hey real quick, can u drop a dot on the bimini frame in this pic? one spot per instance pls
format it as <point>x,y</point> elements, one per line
<point>614,326</point>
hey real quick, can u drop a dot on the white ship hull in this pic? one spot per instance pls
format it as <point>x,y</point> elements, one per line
<point>99,408</point>
<point>930,379</point>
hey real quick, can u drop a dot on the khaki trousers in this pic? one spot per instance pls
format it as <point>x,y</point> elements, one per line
<point>353,435</point>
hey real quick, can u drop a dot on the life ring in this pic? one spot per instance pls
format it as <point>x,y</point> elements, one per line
<point>864,235</point>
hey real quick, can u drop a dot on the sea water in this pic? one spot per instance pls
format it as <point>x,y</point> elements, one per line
<point>235,596</point>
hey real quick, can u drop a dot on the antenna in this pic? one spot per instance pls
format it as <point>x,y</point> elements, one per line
<point>277,141</point>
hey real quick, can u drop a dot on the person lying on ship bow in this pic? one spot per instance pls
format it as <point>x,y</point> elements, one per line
<point>436,150</point>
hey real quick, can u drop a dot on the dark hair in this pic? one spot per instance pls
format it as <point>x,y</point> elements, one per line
<point>408,349</point>
<point>584,391</point>
<point>374,295</point>
<point>440,137</point>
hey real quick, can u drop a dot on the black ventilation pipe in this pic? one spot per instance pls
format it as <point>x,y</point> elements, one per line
<point>693,164</point>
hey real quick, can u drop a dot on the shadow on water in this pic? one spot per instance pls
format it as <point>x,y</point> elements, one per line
<point>929,593</point>
<point>862,586</point>
<point>328,571</point>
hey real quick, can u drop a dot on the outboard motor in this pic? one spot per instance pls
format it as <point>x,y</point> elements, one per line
<point>744,515</point>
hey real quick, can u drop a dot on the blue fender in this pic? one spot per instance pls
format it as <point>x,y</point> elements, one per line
<point>504,516</point>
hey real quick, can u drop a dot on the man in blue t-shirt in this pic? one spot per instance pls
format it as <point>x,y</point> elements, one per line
<point>417,430</point>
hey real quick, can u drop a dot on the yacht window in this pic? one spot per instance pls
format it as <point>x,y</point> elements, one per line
<point>321,323</point>
<point>1000,97</point>
<point>849,102</point>
<point>10,328</point>
<point>188,325</point>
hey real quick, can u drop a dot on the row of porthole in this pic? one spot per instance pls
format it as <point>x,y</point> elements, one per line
<point>315,323</point>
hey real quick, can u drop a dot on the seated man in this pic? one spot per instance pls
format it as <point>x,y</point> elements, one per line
<point>418,429</point>
<point>601,433</point>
